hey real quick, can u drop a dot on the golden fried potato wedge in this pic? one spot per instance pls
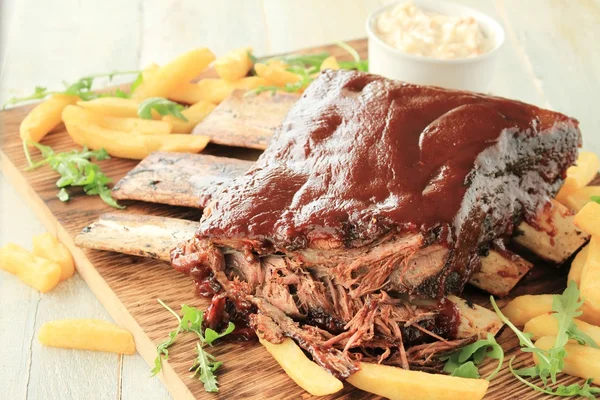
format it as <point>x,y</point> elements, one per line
<point>234,65</point>
<point>214,90</point>
<point>113,106</point>
<point>45,117</point>
<point>307,374</point>
<point>523,308</point>
<point>579,175</point>
<point>87,334</point>
<point>169,77</point>
<point>579,198</point>
<point>590,276</point>
<point>547,325</point>
<point>399,384</point>
<point>37,272</point>
<point>123,124</point>
<point>581,361</point>
<point>275,74</point>
<point>577,266</point>
<point>588,218</point>
<point>116,143</point>
<point>194,114</point>
<point>176,143</point>
<point>330,63</point>
<point>48,247</point>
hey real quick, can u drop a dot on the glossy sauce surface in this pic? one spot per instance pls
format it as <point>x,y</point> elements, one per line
<point>360,155</point>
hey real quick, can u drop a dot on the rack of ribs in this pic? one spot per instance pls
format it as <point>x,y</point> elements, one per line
<point>374,201</point>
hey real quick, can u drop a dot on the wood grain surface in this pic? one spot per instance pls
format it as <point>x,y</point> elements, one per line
<point>128,286</point>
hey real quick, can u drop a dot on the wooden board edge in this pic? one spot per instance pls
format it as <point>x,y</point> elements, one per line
<point>109,300</point>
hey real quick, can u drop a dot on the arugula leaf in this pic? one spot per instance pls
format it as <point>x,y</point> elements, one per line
<point>161,106</point>
<point>596,199</point>
<point>551,362</point>
<point>82,88</point>
<point>574,389</point>
<point>162,349</point>
<point>465,361</point>
<point>75,169</point>
<point>205,364</point>
<point>211,335</point>
<point>357,64</point>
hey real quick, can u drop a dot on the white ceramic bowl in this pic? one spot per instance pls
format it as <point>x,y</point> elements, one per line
<point>473,73</point>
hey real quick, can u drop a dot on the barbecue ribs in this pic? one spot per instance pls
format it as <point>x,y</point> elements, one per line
<point>374,201</point>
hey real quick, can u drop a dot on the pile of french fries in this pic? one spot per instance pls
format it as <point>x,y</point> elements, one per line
<point>49,263</point>
<point>113,123</point>
<point>534,312</point>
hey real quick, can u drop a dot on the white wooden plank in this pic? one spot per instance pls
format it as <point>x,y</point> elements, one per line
<point>19,302</point>
<point>136,381</point>
<point>54,40</point>
<point>296,24</point>
<point>185,24</point>
<point>66,373</point>
<point>561,44</point>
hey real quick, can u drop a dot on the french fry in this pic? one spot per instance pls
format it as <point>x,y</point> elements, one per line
<point>149,71</point>
<point>124,124</point>
<point>523,308</point>
<point>275,74</point>
<point>581,361</point>
<point>307,374</point>
<point>330,63</point>
<point>87,334</point>
<point>547,325</point>
<point>44,117</point>
<point>113,106</point>
<point>588,218</point>
<point>214,90</point>
<point>566,239</point>
<point>590,277</point>
<point>171,76</point>
<point>37,272</point>
<point>577,266</point>
<point>235,64</point>
<point>399,384</point>
<point>579,198</point>
<point>48,247</point>
<point>176,143</point>
<point>579,175</point>
<point>116,143</point>
<point>194,115</point>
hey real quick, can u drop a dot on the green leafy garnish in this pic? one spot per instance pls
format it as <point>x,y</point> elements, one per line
<point>161,106</point>
<point>465,361</point>
<point>82,88</point>
<point>551,362</point>
<point>76,169</point>
<point>205,365</point>
<point>306,66</point>
<point>357,64</point>
<point>596,199</point>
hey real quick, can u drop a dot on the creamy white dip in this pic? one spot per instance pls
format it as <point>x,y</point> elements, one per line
<point>413,30</point>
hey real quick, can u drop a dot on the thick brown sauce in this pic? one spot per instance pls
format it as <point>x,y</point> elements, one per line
<point>360,154</point>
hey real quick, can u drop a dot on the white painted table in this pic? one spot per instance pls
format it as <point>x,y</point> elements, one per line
<point>551,58</point>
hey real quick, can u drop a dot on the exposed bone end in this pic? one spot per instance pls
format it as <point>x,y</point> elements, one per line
<point>500,272</point>
<point>556,236</point>
<point>138,235</point>
<point>475,320</point>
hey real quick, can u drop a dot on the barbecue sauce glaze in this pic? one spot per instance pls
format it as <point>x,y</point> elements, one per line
<point>360,155</point>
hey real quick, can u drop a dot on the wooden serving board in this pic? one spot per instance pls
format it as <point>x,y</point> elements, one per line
<point>128,286</point>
